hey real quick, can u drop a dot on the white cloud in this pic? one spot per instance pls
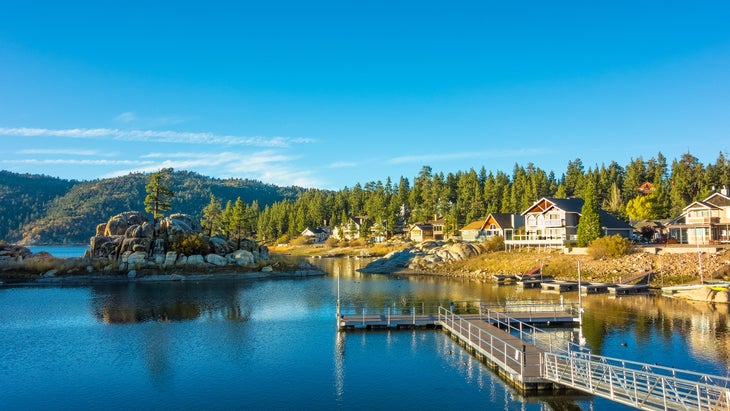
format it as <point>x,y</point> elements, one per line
<point>270,166</point>
<point>37,161</point>
<point>342,164</point>
<point>436,157</point>
<point>64,152</point>
<point>177,137</point>
<point>126,117</point>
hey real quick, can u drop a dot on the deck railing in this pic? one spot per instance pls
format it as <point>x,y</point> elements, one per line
<point>644,386</point>
<point>542,339</point>
<point>505,354</point>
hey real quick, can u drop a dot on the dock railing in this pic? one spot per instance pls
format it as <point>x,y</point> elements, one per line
<point>640,385</point>
<point>506,355</point>
<point>542,339</point>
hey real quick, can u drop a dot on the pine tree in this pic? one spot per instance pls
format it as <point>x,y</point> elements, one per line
<point>159,196</point>
<point>212,217</point>
<point>589,226</point>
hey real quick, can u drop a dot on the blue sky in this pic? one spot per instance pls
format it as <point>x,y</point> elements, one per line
<point>329,93</point>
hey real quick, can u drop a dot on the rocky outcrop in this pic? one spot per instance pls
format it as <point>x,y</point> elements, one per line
<point>13,253</point>
<point>426,256</point>
<point>131,240</point>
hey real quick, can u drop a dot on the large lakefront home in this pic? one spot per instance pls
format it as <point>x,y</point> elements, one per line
<point>553,223</point>
<point>704,222</point>
<point>496,224</point>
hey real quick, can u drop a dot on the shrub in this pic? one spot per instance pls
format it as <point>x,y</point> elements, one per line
<point>358,242</point>
<point>301,240</point>
<point>191,245</point>
<point>331,242</point>
<point>495,243</point>
<point>284,239</point>
<point>610,246</point>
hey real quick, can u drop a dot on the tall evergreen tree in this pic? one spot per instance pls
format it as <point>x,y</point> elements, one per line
<point>159,196</point>
<point>589,226</point>
<point>212,217</point>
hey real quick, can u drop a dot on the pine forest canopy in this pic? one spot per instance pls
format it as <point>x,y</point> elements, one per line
<point>459,197</point>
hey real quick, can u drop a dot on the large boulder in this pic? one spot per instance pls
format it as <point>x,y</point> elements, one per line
<point>119,224</point>
<point>104,246</point>
<point>134,260</point>
<point>242,257</point>
<point>179,224</point>
<point>170,258</point>
<point>220,245</point>
<point>196,259</point>
<point>215,259</point>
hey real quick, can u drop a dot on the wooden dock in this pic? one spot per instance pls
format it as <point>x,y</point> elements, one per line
<point>595,288</point>
<point>559,286</point>
<point>409,321</point>
<point>628,289</point>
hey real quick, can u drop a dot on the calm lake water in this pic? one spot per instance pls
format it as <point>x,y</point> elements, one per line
<point>61,251</point>
<point>273,344</point>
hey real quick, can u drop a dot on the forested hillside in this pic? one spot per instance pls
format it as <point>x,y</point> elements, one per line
<point>69,213</point>
<point>24,198</point>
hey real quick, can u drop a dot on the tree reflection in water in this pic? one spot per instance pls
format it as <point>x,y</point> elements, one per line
<point>137,302</point>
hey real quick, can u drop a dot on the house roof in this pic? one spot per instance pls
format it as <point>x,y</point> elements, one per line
<point>699,204</point>
<point>575,205</point>
<point>421,226</point>
<point>609,221</point>
<point>718,199</point>
<point>314,231</point>
<point>570,205</point>
<point>474,225</point>
<point>503,220</point>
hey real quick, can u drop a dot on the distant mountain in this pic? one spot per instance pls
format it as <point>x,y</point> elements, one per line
<point>45,210</point>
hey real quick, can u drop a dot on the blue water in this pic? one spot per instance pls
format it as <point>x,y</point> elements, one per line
<point>273,344</point>
<point>60,251</point>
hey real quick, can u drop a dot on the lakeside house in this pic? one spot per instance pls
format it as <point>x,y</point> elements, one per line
<point>496,224</point>
<point>353,230</point>
<point>315,235</point>
<point>429,230</point>
<point>704,222</point>
<point>553,223</point>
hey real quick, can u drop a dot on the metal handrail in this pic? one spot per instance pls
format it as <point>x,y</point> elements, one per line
<point>530,333</point>
<point>500,351</point>
<point>639,385</point>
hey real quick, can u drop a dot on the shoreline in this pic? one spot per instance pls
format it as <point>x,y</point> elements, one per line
<point>92,279</point>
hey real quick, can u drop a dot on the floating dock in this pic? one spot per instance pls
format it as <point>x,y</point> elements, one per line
<point>559,286</point>
<point>628,289</point>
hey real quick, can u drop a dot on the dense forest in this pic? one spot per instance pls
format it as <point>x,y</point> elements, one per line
<point>38,209</point>
<point>466,196</point>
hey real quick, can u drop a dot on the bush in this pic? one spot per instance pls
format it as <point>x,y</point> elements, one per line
<point>495,243</point>
<point>610,246</point>
<point>358,242</point>
<point>301,240</point>
<point>284,239</point>
<point>191,245</point>
<point>331,242</point>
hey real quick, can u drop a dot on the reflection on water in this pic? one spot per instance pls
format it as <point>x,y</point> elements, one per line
<point>174,301</point>
<point>273,344</point>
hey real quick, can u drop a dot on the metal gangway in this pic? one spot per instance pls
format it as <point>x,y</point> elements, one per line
<point>568,364</point>
<point>639,385</point>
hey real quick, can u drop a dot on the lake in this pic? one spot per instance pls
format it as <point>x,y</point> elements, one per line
<point>273,344</point>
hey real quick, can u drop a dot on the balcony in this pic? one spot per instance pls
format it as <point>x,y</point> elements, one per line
<point>702,220</point>
<point>555,223</point>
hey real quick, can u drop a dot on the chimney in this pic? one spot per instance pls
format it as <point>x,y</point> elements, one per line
<point>723,190</point>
